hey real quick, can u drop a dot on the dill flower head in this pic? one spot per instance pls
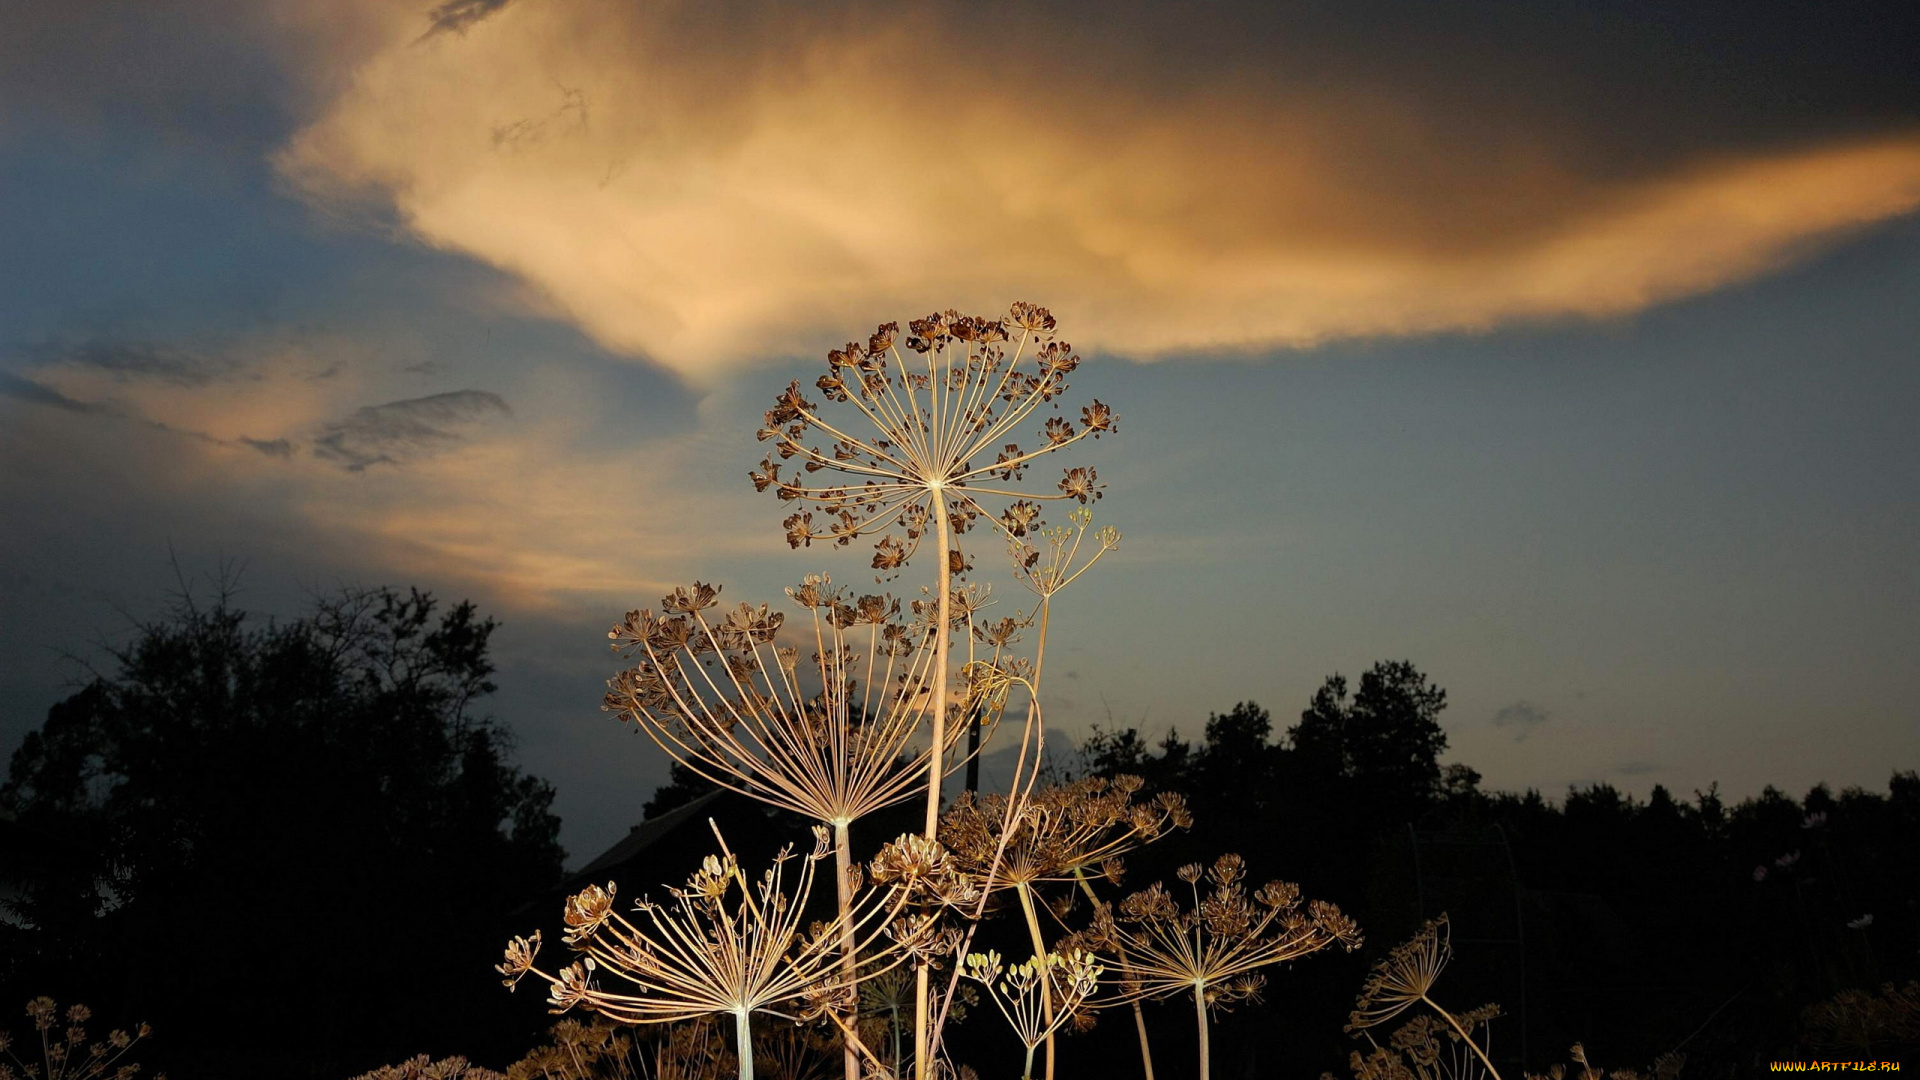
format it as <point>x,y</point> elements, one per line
<point>1404,976</point>
<point>926,869</point>
<point>587,910</point>
<point>939,422</point>
<point>69,1053</point>
<point>520,955</point>
<point>833,737</point>
<point>1059,831</point>
<point>1215,944</point>
<point>1065,980</point>
<point>722,944</point>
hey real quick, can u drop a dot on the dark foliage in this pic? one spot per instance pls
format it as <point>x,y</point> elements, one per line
<point>1637,927</point>
<point>682,787</point>
<point>291,845</point>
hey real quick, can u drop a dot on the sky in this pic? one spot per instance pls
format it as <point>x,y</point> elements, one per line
<point>1565,349</point>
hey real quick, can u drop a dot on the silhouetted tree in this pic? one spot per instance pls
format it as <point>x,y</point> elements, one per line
<point>290,844</point>
<point>1697,923</point>
<point>1388,735</point>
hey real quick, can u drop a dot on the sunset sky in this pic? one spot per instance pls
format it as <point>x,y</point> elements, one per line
<point>1569,350</point>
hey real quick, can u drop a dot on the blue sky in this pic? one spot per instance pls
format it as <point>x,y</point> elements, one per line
<point>1592,401</point>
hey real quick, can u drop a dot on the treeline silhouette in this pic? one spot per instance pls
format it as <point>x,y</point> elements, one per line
<point>291,846</point>
<point>296,847</point>
<point>1638,927</point>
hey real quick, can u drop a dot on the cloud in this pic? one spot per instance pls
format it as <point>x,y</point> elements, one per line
<point>456,16</point>
<point>756,180</point>
<point>277,448</point>
<point>585,494</point>
<point>404,430</point>
<point>1522,717</point>
<point>1635,768</point>
<point>215,77</point>
<point>19,389</point>
<point>32,393</point>
<point>127,361</point>
<point>262,393</point>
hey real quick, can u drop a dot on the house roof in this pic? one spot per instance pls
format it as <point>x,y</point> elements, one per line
<point>647,833</point>
<point>669,846</point>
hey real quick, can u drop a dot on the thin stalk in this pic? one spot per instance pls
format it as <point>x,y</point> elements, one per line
<point>894,1027</point>
<point>1464,1037</point>
<point>1015,798</point>
<point>743,1044</point>
<point>943,613</point>
<point>922,994</point>
<point>1040,957</point>
<point>843,865</point>
<point>1200,1017</point>
<point>1026,1071</point>
<point>1126,967</point>
<point>936,772</point>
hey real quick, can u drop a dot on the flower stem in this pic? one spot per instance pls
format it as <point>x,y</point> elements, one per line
<point>1465,1036</point>
<point>936,771</point>
<point>1040,958</point>
<point>1126,967</point>
<point>943,614</point>
<point>894,1027</point>
<point>743,1044</point>
<point>1200,1017</point>
<point>843,864</point>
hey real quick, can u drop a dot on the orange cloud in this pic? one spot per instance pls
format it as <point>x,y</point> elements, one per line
<point>451,487</point>
<point>704,206</point>
<point>528,518</point>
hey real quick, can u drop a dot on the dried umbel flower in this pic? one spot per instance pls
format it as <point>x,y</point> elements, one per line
<point>1054,834</point>
<point>66,1053</point>
<point>689,1050</point>
<point>1210,948</point>
<point>424,1067</point>
<point>721,697</point>
<point>720,947</point>
<point>1054,562</point>
<point>1403,979</point>
<point>1858,1019</point>
<point>916,446</point>
<point>927,869</point>
<point>886,1008</point>
<point>1059,832</point>
<point>922,439</point>
<point>718,696</point>
<point>1021,992</point>
<point>886,1017</point>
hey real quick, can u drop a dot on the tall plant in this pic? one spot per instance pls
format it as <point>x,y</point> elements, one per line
<point>862,705</point>
<point>723,947</point>
<point>1215,947</point>
<point>922,445</point>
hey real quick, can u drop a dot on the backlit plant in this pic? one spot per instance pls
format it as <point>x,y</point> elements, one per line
<point>909,447</point>
<point>1437,1043</point>
<point>721,947</point>
<point>65,1050</point>
<point>1023,992</point>
<point>1058,834</point>
<point>863,704</point>
<point>1215,947</point>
